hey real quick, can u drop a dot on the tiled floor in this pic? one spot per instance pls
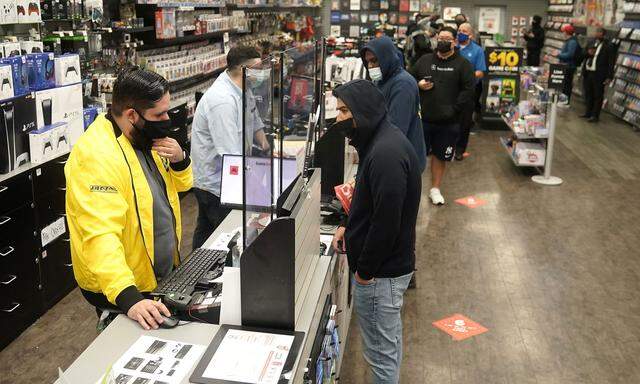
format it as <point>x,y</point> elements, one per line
<point>553,272</point>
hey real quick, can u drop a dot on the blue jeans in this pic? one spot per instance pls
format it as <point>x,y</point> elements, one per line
<point>378,308</point>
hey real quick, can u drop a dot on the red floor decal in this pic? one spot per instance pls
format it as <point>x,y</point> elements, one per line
<point>460,327</point>
<point>471,202</point>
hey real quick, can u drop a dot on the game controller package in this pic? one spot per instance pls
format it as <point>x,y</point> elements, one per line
<point>89,115</point>
<point>9,49</point>
<point>41,71</point>
<point>17,119</point>
<point>20,74</point>
<point>62,104</point>
<point>67,69</point>
<point>30,46</point>
<point>49,142</point>
<point>8,12</point>
<point>6,82</point>
<point>28,11</point>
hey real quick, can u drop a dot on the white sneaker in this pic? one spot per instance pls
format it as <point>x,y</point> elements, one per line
<point>564,104</point>
<point>436,196</point>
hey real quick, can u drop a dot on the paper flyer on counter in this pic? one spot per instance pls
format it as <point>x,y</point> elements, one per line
<point>154,361</point>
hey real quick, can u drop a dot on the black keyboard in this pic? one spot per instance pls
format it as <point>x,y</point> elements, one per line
<point>184,279</point>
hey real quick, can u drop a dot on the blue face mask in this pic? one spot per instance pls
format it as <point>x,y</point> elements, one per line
<point>462,37</point>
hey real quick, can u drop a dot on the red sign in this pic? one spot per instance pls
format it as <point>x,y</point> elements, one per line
<point>233,170</point>
<point>471,202</point>
<point>460,327</point>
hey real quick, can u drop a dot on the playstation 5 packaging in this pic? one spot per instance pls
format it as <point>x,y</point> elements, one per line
<point>17,119</point>
<point>61,104</point>
<point>20,74</point>
<point>67,68</point>
<point>30,46</point>
<point>41,71</point>
<point>49,142</point>
<point>6,82</point>
<point>29,11</point>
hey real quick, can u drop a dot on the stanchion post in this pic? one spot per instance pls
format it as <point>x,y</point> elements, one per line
<point>547,179</point>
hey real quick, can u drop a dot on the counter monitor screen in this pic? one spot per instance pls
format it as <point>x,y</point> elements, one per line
<point>258,194</point>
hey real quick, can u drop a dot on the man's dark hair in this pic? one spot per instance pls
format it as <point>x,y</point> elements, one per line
<point>460,15</point>
<point>450,30</point>
<point>238,56</point>
<point>137,88</point>
<point>537,19</point>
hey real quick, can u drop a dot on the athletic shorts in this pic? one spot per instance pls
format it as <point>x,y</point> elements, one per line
<point>441,139</point>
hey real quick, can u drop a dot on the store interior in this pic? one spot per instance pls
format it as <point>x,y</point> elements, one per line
<point>535,247</point>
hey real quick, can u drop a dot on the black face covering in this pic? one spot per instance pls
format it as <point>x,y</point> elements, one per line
<point>346,128</point>
<point>444,47</point>
<point>143,136</point>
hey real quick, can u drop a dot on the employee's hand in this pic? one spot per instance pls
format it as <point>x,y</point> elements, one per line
<point>361,280</point>
<point>148,313</point>
<point>169,149</point>
<point>425,85</point>
<point>607,81</point>
<point>338,240</point>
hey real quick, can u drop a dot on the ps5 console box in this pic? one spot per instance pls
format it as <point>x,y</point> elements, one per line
<point>6,82</point>
<point>17,119</point>
<point>49,142</point>
<point>29,11</point>
<point>62,104</point>
<point>41,71</point>
<point>20,74</point>
<point>8,12</point>
<point>10,49</point>
<point>67,69</point>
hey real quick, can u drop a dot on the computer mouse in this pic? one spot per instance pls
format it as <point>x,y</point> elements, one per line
<point>169,322</point>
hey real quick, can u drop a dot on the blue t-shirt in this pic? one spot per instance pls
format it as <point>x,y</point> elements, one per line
<point>475,55</point>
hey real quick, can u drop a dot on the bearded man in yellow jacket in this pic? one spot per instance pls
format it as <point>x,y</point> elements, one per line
<point>123,178</point>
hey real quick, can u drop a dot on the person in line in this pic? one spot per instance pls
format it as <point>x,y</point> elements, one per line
<point>535,41</point>
<point>418,43</point>
<point>570,57</point>
<point>597,73</point>
<point>460,19</point>
<point>123,211</point>
<point>474,53</point>
<point>399,89</point>
<point>447,82</point>
<point>413,25</point>
<point>217,130</point>
<point>380,232</point>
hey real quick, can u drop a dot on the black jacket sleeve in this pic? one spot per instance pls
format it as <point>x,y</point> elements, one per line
<point>388,185</point>
<point>467,86</point>
<point>538,36</point>
<point>415,69</point>
<point>611,60</point>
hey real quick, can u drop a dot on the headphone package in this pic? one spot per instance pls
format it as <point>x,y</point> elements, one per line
<point>41,71</point>
<point>67,69</point>
<point>61,104</point>
<point>17,119</point>
<point>20,74</point>
<point>49,142</point>
<point>6,82</point>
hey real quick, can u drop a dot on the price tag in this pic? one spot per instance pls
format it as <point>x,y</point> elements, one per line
<point>53,231</point>
<point>504,59</point>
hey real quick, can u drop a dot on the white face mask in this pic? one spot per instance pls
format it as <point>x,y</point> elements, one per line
<point>375,74</point>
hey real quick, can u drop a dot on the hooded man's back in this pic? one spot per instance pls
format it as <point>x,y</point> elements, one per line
<point>401,93</point>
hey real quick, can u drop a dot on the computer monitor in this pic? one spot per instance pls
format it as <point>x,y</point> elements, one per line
<point>258,194</point>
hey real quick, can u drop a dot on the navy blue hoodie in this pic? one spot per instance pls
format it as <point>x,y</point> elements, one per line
<point>401,93</point>
<point>380,233</point>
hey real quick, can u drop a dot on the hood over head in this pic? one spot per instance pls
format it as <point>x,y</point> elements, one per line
<point>367,105</point>
<point>387,54</point>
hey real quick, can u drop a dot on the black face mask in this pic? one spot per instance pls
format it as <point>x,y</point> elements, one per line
<point>143,136</point>
<point>444,47</point>
<point>347,128</point>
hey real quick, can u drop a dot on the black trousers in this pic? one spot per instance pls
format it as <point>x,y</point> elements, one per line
<point>593,93</point>
<point>466,123</point>
<point>533,58</point>
<point>210,215</point>
<point>568,82</point>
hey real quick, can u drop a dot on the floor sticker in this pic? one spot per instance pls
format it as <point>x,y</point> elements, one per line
<point>459,327</point>
<point>471,202</point>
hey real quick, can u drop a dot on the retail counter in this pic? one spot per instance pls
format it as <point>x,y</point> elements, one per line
<point>330,276</point>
